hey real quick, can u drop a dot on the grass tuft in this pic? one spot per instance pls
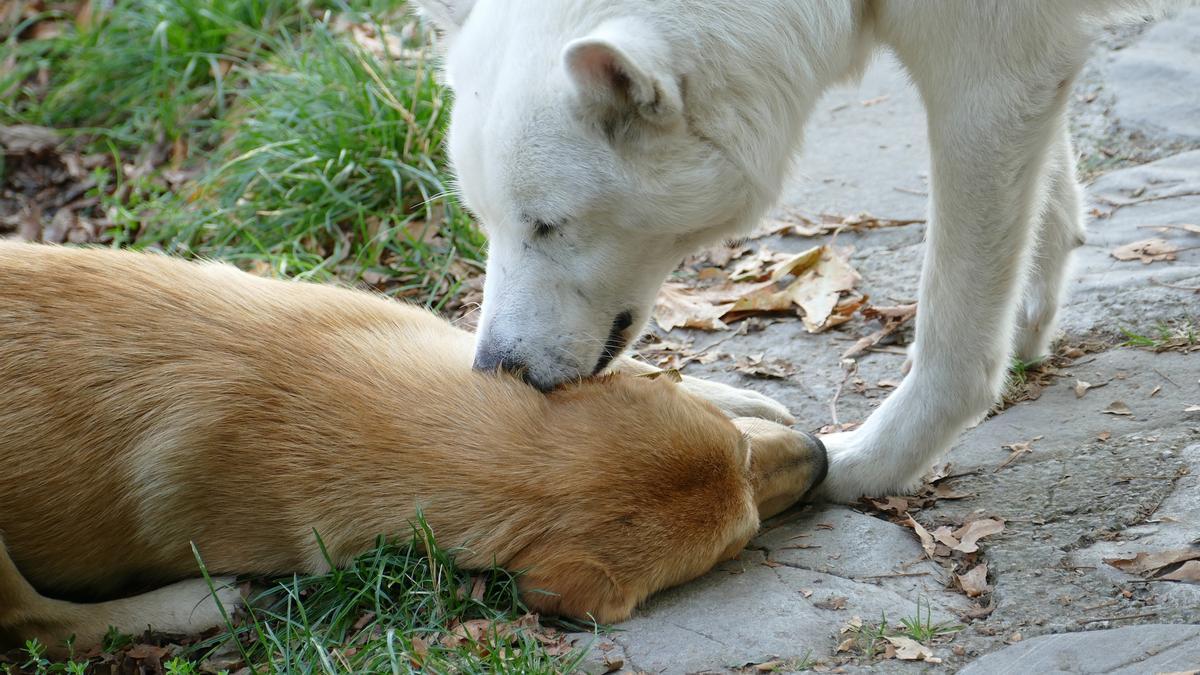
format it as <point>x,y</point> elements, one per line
<point>403,607</point>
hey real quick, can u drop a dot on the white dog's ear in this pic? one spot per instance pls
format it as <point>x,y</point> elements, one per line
<point>447,15</point>
<point>623,67</point>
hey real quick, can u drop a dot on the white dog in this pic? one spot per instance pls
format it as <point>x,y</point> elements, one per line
<point>601,141</point>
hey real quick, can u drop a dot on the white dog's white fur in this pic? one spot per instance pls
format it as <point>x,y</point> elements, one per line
<point>600,141</point>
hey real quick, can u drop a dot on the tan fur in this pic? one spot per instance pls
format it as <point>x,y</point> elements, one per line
<point>147,403</point>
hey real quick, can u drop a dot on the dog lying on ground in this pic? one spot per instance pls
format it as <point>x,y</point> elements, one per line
<point>146,403</point>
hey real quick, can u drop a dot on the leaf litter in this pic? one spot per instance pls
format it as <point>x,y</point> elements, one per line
<point>1181,565</point>
<point>816,284</point>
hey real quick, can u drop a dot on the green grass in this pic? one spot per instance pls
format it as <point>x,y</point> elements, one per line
<point>870,639</point>
<point>923,629</point>
<point>306,152</point>
<point>402,607</point>
<point>1182,335</point>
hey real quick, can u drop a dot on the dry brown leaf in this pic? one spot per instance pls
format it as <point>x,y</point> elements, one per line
<point>1147,251</point>
<point>822,276</point>
<point>755,365</point>
<point>908,649</point>
<point>975,530</point>
<point>845,645</point>
<point>817,289</point>
<point>946,536</point>
<point>1118,408</point>
<point>1103,436</point>
<point>974,582</point>
<point>897,505</point>
<point>1081,388</point>
<point>677,306</point>
<point>1188,573</point>
<point>797,225</point>
<point>797,264</point>
<point>833,602</point>
<point>1149,564</point>
<point>925,537</point>
<point>1016,450</point>
<point>757,266</point>
<point>893,317</point>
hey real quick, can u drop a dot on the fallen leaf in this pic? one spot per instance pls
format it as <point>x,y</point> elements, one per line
<point>797,264</point>
<point>1192,408</point>
<point>908,649</point>
<point>947,492</point>
<point>758,265</point>
<point>816,290</point>
<point>893,318</point>
<point>145,651</point>
<point>1188,573</point>
<point>833,602</point>
<point>975,530</point>
<point>1150,563</point>
<point>677,307</point>
<point>1103,436</point>
<point>1016,450</point>
<point>755,365</point>
<point>1118,408</point>
<point>946,536</point>
<point>974,582</point>
<point>897,505</point>
<point>925,537</point>
<point>1081,388</point>
<point>977,612</point>
<point>1147,251</point>
<point>845,645</point>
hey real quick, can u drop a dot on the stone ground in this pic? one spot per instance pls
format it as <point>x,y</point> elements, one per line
<point>1094,485</point>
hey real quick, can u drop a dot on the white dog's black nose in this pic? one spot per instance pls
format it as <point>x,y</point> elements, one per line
<point>491,359</point>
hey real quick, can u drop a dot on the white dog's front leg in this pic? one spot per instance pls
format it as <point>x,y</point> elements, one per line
<point>994,105</point>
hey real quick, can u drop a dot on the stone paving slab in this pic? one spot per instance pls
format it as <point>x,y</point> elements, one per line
<point>1155,83</point>
<point>1135,650</point>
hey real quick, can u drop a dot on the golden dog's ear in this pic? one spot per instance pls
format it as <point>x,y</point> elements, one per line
<point>578,588</point>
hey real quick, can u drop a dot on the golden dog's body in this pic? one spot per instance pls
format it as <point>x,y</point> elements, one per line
<point>147,403</point>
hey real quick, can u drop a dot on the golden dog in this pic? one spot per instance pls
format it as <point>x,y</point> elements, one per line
<point>147,403</point>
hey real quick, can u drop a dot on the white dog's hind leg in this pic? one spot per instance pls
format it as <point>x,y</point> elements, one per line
<point>1059,232</point>
<point>994,86</point>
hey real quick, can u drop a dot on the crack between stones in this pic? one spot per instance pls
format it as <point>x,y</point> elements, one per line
<point>630,665</point>
<point>706,636</point>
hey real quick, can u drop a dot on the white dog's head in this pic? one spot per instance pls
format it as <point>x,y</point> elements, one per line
<point>575,143</point>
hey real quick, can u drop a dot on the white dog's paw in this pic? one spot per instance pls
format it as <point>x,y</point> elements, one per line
<point>858,470</point>
<point>736,402</point>
<point>1036,327</point>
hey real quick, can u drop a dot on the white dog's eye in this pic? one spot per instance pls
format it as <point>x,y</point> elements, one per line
<point>542,228</point>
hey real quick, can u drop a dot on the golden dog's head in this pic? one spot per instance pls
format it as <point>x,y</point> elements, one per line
<point>658,486</point>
